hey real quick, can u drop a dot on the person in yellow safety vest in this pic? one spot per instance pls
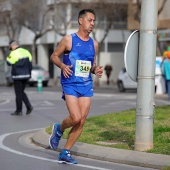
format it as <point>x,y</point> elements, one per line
<point>21,61</point>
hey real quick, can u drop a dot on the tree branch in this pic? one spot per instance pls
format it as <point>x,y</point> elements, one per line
<point>162,6</point>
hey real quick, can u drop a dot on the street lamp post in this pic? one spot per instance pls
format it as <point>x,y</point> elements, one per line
<point>146,76</point>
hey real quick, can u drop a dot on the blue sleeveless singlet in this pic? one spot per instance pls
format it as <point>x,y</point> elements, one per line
<point>81,57</point>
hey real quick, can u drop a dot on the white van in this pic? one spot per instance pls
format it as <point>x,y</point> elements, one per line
<point>124,82</point>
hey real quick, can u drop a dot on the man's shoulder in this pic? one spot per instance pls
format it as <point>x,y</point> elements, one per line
<point>67,37</point>
<point>23,49</point>
<point>67,40</point>
<point>19,49</point>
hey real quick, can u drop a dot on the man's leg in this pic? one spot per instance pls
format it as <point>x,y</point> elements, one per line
<point>58,129</point>
<point>24,96</point>
<point>78,109</point>
<point>108,78</point>
<point>18,95</point>
<point>168,87</point>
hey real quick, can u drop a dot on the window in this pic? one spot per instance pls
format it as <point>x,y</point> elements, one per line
<point>115,47</point>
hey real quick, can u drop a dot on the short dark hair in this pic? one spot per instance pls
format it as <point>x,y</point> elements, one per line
<point>12,41</point>
<point>84,11</point>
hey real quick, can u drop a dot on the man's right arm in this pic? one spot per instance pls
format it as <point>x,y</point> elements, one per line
<point>58,51</point>
<point>64,45</point>
<point>9,60</point>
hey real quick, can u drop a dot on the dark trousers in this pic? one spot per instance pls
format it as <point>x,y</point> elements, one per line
<point>168,88</point>
<point>108,76</point>
<point>19,87</point>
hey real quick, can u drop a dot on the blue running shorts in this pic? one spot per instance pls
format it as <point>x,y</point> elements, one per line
<point>77,90</point>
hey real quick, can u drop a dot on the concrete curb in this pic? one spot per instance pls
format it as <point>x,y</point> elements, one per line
<point>129,157</point>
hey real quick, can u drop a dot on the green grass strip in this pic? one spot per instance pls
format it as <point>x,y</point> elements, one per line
<point>117,130</point>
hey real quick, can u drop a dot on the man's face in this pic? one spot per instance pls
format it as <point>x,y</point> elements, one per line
<point>88,22</point>
<point>13,46</point>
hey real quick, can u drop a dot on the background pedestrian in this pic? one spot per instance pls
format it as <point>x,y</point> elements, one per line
<point>21,61</point>
<point>108,69</point>
<point>166,71</point>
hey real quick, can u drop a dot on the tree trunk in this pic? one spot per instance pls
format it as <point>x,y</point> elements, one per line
<point>34,51</point>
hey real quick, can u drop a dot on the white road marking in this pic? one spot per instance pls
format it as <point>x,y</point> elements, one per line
<point>5,102</point>
<point>2,146</point>
<point>43,103</point>
<point>35,108</point>
<point>49,103</point>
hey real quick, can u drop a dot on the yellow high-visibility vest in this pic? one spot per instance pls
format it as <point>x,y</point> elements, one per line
<point>18,54</point>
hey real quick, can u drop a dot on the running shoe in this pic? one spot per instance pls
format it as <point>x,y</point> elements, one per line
<point>65,157</point>
<point>55,137</point>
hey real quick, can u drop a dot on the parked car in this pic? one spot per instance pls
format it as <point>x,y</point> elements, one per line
<point>124,82</point>
<point>35,73</point>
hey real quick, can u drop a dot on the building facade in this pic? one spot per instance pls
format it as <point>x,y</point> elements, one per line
<point>63,17</point>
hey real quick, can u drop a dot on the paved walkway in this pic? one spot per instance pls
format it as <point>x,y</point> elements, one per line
<point>129,157</point>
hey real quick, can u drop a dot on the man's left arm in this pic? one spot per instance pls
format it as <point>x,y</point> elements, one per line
<point>97,70</point>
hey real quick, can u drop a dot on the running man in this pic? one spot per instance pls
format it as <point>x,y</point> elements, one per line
<point>79,61</point>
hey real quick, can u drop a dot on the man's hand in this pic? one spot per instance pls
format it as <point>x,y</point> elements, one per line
<point>67,72</point>
<point>98,71</point>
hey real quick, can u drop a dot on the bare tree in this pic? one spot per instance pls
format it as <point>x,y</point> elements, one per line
<point>9,25</point>
<point>107,14</point>
<point>35,15</point>
<point>138,9</point>
<point>32,14</point>
<point>137,16</point>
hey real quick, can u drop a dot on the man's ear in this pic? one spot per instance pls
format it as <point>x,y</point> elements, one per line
<point>80,21</point>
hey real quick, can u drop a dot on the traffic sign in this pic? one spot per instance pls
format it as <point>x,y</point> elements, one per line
<point>131,55</point>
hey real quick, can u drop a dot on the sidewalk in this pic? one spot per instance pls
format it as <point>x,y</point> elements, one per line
<point>129,157</point>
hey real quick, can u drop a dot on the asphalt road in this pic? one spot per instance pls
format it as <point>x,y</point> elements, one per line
<point>48,109</point>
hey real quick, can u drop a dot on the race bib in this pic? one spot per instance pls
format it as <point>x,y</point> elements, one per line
<point>82,68</point>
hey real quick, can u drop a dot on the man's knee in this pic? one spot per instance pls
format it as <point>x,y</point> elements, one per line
<point>76,120</point>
